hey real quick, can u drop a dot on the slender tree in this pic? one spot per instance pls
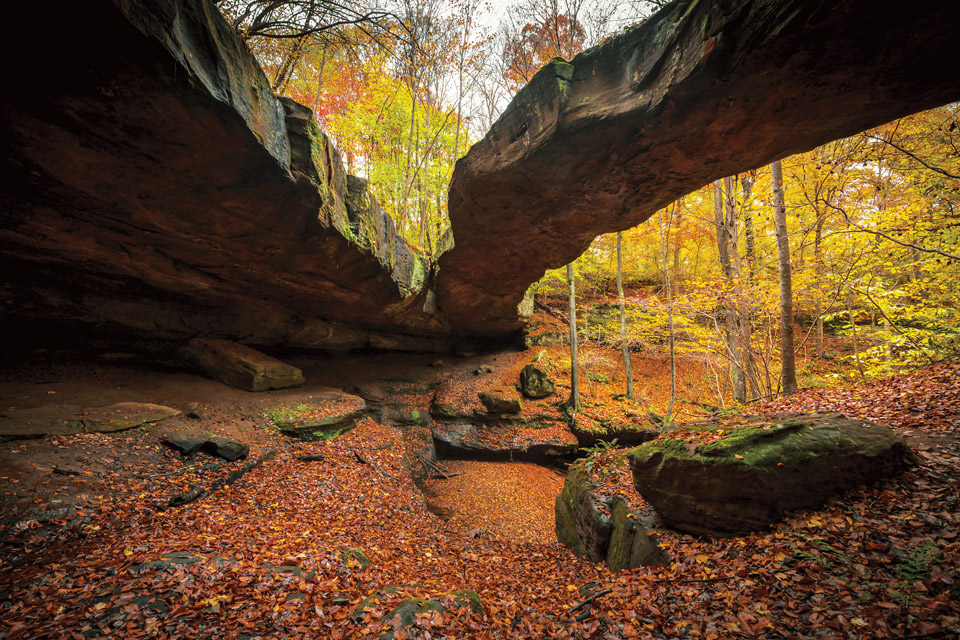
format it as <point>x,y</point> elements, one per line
<point>664,250</point>
<point>747,360</point>
<point>573,403</point>
<point>623,318</point>
<point>788,366</point>
<point>731,330</point>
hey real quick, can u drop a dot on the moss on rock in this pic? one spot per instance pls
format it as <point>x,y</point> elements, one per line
<point>584,526</point>
<point>749,479</point>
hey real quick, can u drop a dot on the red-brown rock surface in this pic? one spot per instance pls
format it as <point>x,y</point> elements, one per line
<point>155,189</point>
<point>702,90</point>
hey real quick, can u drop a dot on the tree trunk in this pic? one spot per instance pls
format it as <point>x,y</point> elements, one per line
<point>788,365</point>
<point>670,331</point>
<point>404,210</point>
<point>729,312</point>
<point>856,344</point>
<point>818,251</point>
<point>628,371</point>
<point>289,63</point>
<point>746,184</point>
<point>428,150</point>
<point>573,403</point>
<point>747,361</point>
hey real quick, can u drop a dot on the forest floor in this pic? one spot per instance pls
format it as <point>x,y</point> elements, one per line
<point>90,548</point>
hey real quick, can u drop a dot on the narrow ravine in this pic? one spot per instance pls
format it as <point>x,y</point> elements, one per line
<point>506,500</point>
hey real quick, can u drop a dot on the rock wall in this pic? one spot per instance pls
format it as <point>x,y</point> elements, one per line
<point>702,90</point>
<point>157,190</point>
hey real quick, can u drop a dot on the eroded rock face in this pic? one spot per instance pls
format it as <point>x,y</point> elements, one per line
<point>700,91</point>
<point>603,529</point>
<point>501,442</point>
<point>748,480</point>
<point>627,432</point>
<point>157,190</point>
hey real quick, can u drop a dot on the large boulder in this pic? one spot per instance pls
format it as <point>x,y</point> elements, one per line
<point>602,528</point>
<point>749,479</point>
<point>239,366</point>
<point>535,383</point>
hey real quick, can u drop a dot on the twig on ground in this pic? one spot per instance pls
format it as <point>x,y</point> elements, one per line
<point>433,466</point>
<point>694,580</point>
<point>363,460</point>
<point>589,599</point>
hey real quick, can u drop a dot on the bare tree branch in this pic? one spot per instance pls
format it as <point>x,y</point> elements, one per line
<point>939,170</point>
<point>902,243</point>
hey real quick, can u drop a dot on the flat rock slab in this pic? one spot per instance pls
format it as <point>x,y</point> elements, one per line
<point>227,449</point>
<point>319,416</point>
<point>239,366</point>
<point>749,479</point>
<point>125,415</point>
<point>500,399</point>
<point>185,445</point>
<point>66,419</point>
<point>481,402</point>
<point>503,442</point>
<point>40,422</point>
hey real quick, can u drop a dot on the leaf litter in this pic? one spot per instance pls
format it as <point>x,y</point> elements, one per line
<point>265,557</point>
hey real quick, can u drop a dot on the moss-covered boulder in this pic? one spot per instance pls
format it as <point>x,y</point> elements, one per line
<point>602,528</point>
<point>535,383</point>
<point>749,479</point>
<point>354,559</point>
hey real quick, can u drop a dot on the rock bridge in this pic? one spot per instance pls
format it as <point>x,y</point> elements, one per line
<point>156,190</point>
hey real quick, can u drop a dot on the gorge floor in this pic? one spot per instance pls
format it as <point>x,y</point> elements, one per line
<point>270,556</point>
